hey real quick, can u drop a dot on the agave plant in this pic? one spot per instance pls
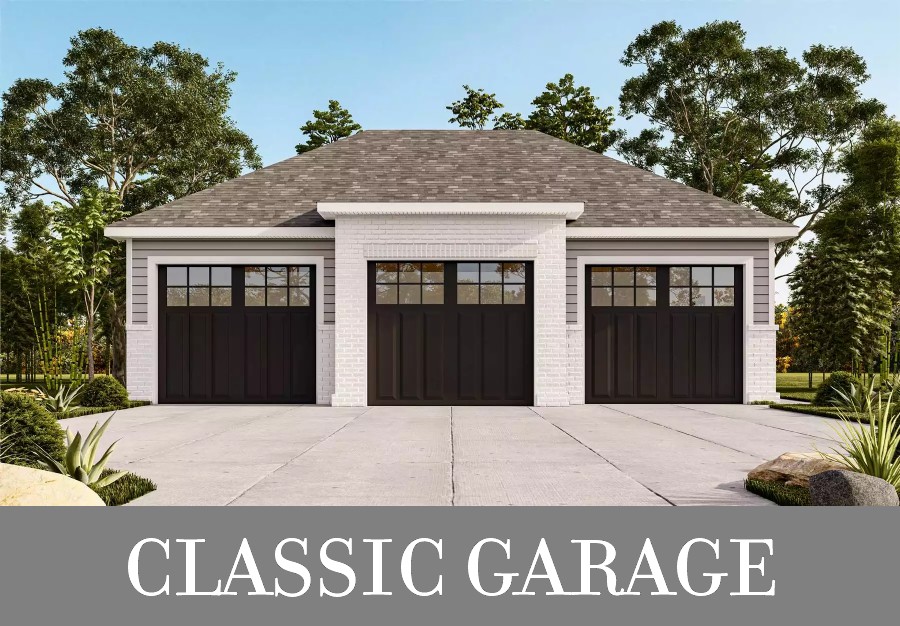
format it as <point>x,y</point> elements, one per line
<point>62,400</point>
<point>871,448</point>
<point>79,459</point>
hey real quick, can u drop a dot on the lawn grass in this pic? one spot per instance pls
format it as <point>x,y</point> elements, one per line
<point>124,490</point>
<point>821,411</point>
<point>91,410</point>
<point>780,494</point>
<point>795,385</point>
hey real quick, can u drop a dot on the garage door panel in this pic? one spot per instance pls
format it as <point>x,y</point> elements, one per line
<point>470,352</point>
<point>600,345</point>
<point>680,355</point>
<point>411,344</point>
<point>387,323</point>
<point>435,354</point>
<point>518,347</point>
<point>624,346</point>
<point>302,355</point>
<point>726,355</point>
<point>703,369</point>
<point>646,351</point>
<point>278,366</point>
<point>494,354</point>
<point>175,360</point>
<point>255,356</point>
<point>222,357</point>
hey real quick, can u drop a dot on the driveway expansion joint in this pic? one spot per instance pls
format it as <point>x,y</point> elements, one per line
<point>294,458</point>
<point>593,451</point>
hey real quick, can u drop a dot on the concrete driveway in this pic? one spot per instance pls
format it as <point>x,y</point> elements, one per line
<point>584,455</point>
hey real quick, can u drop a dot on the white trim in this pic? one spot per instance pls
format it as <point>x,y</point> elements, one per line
<point>568,210</point>
<point>219,232</point>
<point>129,282</point>
<point>775,233</point>
<point>153,263</point>
<point>636,259</point>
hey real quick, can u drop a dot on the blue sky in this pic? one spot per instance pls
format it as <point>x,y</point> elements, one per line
<point>398,64</point>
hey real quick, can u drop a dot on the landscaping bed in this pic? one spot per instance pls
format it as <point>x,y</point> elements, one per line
<point>124,490</point>
<point>91,410</point>
<point>782,495</point>
<point>821,411</point>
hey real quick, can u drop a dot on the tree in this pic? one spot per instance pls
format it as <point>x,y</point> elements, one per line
<point>147,124</point>
<point>571,113</point>
<point>840,305</point>
<point>750,125</point>
<point>327,127</point>
<point>867,219</point>
<point>85,253</point>
<point>475,109</point>
<point>509,121</point>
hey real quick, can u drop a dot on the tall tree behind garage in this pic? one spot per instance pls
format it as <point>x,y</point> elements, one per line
<point>148,124</point>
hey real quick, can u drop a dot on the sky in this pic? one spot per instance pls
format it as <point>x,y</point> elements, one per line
<point>399,64</point>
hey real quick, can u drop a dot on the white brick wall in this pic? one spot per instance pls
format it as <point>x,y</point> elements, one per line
<point>325,375</point>
<point>360,239</point>
<point>575,370</point>
<point>760,363</point>
<point>141,350</point>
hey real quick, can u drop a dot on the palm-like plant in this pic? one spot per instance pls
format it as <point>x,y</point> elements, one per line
<point>871,448</point>
<point>62,400</point>
<point>79,458</point>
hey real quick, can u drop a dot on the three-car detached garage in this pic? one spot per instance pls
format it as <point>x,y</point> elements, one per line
<point>450,268</point>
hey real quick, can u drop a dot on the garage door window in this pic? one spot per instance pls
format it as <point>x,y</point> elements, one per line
<point>491,283</point>
<point>198,286</point>
<point>409,283</point>
<point>623,286</point>
<point>701,286</point>
<point>277,286</point>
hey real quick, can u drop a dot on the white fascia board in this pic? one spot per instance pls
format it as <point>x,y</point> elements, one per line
<point>568,210</point>
<point>219,232</point>
<point>775,233</point>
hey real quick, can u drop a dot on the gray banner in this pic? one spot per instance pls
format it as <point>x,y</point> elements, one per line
<point>72,566</point>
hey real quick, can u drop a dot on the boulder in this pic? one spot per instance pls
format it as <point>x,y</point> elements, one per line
<point>792,468</point>
<point>24,486</point>
<point>847,488</point>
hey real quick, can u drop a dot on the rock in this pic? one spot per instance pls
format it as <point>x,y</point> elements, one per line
<point>792,468</point>
<point>24,486</point>
<point>848,488</point>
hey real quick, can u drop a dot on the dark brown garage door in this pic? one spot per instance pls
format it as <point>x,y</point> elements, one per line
<point>450,333</point>
<point>664,334</point>
<point>237,334</point>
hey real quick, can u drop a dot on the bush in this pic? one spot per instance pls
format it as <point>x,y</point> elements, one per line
<point>780,494</point>
<point>124,490</point>
<point>27,426</point>
<point>104,391</point>
<point>829,392</point>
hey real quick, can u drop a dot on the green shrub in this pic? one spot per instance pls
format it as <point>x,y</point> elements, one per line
<point>779,493</point>
<point>124,490</point>
<point>26,427</point>
<point>829,392</point>
<point>872,449</point>
<point>104,391</point>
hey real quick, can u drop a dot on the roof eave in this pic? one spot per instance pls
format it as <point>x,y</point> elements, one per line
<point>567,210</point>
<point>121,233</point>
<point>774,233</point>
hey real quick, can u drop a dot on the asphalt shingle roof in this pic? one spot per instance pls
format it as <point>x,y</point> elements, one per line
<point>451,166</point>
